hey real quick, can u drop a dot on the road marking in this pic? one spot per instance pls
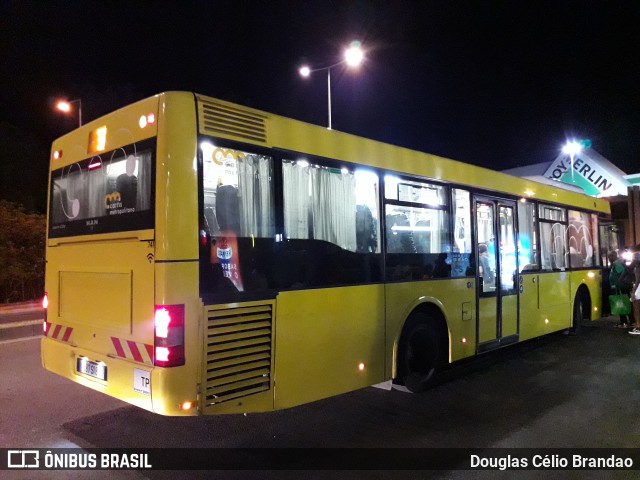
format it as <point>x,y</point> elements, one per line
<point>24,323</point>
<point>23,339</point>
<point>12,310</point>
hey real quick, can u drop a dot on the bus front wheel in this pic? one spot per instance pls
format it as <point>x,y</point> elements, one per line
<point>420,353</point>
<point>579,310</point>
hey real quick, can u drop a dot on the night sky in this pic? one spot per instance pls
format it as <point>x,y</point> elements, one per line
<point>493,83</point>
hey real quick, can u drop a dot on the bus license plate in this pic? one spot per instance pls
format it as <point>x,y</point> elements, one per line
<point>93,369</point>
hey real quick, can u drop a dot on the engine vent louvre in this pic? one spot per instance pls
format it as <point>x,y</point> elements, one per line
<point>238,353</point>
<point>222,120</point>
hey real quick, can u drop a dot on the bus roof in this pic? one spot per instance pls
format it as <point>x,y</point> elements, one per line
<point>248,125</point>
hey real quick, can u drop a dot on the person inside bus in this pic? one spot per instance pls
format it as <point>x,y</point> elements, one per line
<point>228,208</point>
<point>471,269</point>
<point>485,271</point>
<point>428,272</point>
<point>127,186</point>
<point>399,234</point>
<point>441,269</point>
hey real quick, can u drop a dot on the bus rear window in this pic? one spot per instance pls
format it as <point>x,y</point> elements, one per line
<point>110,192</point>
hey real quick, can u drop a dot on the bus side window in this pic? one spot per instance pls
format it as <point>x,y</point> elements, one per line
<point>228,208</point>
<point>422,236</point>
<point>330,226</point>
<point>417,238</point>
<point>366,230</point>
<point>399,234</point>
<point>527,236</point>
<point>238,221</point>
<point>463,258</point>
<point>211,221</point>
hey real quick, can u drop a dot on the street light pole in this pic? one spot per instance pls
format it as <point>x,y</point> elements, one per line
<point>329,93</point>
<point>353,56</point>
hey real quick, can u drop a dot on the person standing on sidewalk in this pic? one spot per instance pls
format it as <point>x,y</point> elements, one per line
<point>635,267</point>
<point>617,270</point>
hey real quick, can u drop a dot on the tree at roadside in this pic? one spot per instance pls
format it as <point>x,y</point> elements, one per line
<point>22,249</point>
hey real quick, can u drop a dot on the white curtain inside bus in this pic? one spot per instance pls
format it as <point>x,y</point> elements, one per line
<point>324,203</point>
<point>256,196</point>
<point>296,200</point>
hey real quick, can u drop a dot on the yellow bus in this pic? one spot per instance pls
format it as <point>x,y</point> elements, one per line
<point>205,258</point>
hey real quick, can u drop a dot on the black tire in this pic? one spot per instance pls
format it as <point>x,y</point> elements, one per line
<point>578,314</point>
<point>421,353</point>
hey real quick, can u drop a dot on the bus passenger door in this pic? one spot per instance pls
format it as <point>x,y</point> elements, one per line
<point>496,270</point>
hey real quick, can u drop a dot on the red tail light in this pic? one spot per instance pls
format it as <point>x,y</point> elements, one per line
<point>169,336</point>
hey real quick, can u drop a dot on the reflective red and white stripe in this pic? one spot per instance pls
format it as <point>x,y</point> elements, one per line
<point>57,332</point>
<point>138,352</point>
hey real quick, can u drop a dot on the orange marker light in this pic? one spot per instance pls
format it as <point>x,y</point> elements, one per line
<point>97,140</point>
<point>147,120</point>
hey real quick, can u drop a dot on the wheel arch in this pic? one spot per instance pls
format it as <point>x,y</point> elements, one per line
<point>583,293</point>
<point>580,303</point>
<point>435,310</point>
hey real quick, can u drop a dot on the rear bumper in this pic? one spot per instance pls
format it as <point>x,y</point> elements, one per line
<point>125,379</point>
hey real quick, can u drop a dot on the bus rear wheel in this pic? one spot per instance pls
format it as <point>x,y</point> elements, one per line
<point>420,353</point>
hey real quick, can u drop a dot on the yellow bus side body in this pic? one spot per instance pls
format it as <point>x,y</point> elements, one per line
<point>326,341</point>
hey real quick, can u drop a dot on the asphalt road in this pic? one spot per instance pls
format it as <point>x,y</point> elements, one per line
<point>20,316</point>
<point>20,320</point>
<point>560,391</point>
<point>21,311</point>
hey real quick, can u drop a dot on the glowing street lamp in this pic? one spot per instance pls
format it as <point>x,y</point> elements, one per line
<point>572,149</point>
<point>353,56</point>
<point>65,106</point>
